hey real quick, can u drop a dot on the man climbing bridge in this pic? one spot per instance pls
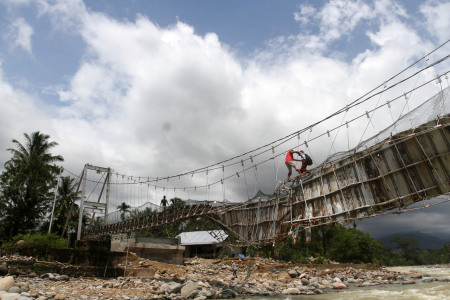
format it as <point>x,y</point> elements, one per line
<point>290,162</point>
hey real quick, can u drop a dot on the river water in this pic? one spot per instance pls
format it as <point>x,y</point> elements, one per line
<point>438,290</point>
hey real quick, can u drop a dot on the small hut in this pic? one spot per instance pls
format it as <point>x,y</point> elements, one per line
<point>206,244</point>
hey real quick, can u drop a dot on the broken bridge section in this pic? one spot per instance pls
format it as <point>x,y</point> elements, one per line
<point>403,169</point>
<point>384,174</point>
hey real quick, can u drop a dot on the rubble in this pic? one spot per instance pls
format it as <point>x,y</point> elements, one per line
<point>199,279</point>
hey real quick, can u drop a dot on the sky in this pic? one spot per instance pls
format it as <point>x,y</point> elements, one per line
<point>158,89</point>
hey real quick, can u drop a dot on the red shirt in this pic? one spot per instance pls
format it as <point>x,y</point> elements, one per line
<point>289,156</point>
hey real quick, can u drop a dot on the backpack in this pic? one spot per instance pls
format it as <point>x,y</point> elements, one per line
<point>308,159</point>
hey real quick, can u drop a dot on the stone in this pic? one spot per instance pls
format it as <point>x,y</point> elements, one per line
<point>292,273</point>
<point>3,270</point>
<point>267,286</point>
<point>64,278</point>
<point>170,288</point>
<point>339,286</point>
<point>26,294</point>
<point>203,284</point>
<point>291,291</point>
<point>210,293</point>
<point>337,280</point>
<point>305,281</point>
<point>6,283</point>
<point>59,297</point>
<point>303,275</point>
<point>188,289</point>
<point>10,296</point>
<point>284,276</point>
<point>14,289</point>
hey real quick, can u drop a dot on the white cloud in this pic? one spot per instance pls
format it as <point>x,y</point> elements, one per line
<point>152,101</point>
<point>65,15</point>
<point>338,18</point>
<point>21,113</point>
<point>140,86</point>
<point>19,34</point>
<point>437,18</point>
<point>305,14</point>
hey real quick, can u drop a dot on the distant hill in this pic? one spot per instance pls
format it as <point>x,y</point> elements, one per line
<point>426,241</point>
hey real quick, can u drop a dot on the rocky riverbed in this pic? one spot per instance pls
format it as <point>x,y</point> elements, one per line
<point>196,279</point>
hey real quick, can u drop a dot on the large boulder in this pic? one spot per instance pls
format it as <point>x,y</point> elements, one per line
<point>10,296</point>
<point>169,288</point>
<point>6,283</point>
<point>189,290</point>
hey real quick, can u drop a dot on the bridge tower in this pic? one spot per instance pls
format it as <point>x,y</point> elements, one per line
<point>100,206</point>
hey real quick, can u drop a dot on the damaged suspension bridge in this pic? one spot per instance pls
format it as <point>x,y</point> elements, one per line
<point>385,177</point>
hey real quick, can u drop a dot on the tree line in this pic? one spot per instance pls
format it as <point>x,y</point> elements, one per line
<point>350,245</point>
<point>27,188</point>
<point>27,194</point>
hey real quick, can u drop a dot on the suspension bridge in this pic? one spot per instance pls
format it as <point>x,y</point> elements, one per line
<point>403,164</point>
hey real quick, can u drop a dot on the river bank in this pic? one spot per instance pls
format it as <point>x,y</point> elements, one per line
<point>202,279</point>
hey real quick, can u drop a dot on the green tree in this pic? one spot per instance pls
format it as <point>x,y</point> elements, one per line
<point>352,245</point>
<point>65,204</point>
<point>136,213</point>
<point>124,209</point>
<point>176,202</point>
<point>199,224</point>
<point>409,250</point>
<point>346,245</point>
<point>444,254</point>
<point>26,184</point>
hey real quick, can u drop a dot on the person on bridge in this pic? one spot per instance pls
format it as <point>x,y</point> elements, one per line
<point>164,202</point>
<point>303,159</point>
<point>290,162</point>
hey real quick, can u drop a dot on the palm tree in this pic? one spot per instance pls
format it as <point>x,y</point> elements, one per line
<point>26,183</point>
<point>124,209</point>
<point>136,213</point>
<point>65,200</point>
<point>176,202</point>
<point>36,149</point>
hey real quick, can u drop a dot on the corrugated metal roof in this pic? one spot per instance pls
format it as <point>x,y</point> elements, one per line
<point>201,237</point>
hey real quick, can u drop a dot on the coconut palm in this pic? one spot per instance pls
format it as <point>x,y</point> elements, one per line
<point>65,203</point>
<point>26,183</point>
<point>124,209</point>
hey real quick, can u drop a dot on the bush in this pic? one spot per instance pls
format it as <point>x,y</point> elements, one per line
<point>36,241</point>
<point>318,260</point>
<point>353,246</point>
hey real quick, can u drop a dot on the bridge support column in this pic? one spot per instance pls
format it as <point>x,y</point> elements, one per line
<point>102,207</point>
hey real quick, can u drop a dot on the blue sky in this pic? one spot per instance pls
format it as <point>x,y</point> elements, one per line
<point>159,88</point>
